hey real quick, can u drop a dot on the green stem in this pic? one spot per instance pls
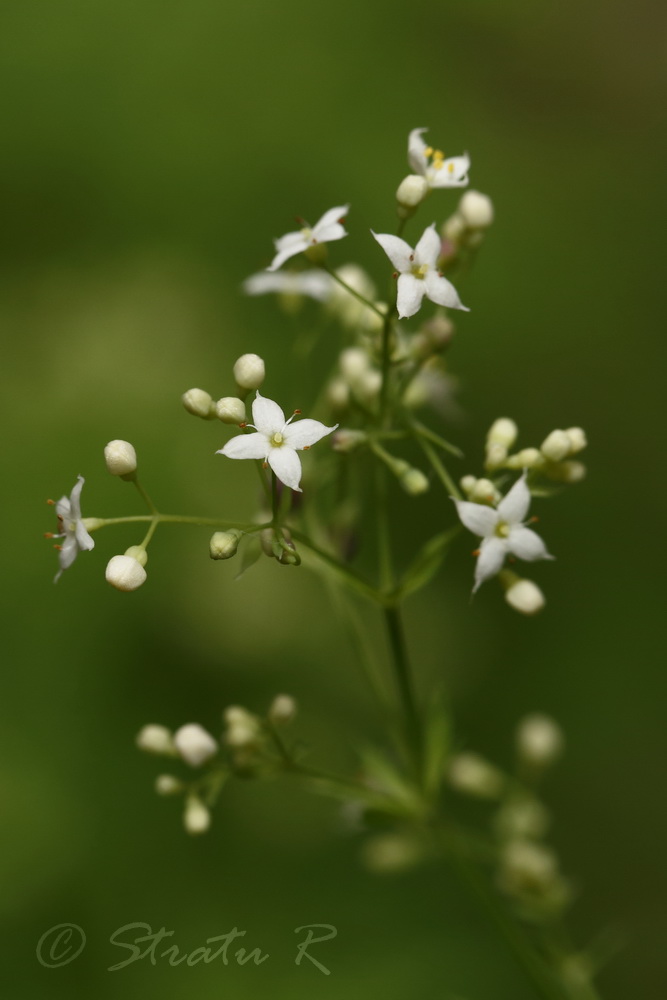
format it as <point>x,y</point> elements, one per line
<point>144,495</point>
<point>438,467</point>
<point>95,523</point>
<point>351,577</point>
<point>404,683</point>
<point>357,295</point>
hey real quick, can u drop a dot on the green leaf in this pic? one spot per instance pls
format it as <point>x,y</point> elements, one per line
<point>426,563</point>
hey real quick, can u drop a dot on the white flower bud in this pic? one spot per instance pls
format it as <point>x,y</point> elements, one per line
<point>467,484</point>
<point>369,385</point>
<point>414,482</point>
<point>199,403</point>
<point>476,210</point>
<point>527,866</point>
<point>471,774</point>
<point>249,371</point>
<point>282,709</point>
<point>121,458</point>
<point>243,728</point>
<point>577,438</point>
<point>345,440</point>
<point>483,491</point>
<point>524,596</point>
<point>230,409</point>
<point>454,229</point>
<point>125,572</point>
<point>224,544</point>
<point>354,364</point>
<point>556,446</point>
<point>387,853</point>
<point>156,739</point>
<point>196,818</point>
<point>496,455</point>
<point>539,740</point>
<point>411,191</point>
<point>503,431</point>
<point>338,394</point>
<point>194,744</point>
<point>522,818</point>
<point>168,784</point>
<point>528,458</point>
<point>566,472</point>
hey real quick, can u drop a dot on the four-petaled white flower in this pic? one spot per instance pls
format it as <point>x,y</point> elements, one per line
<point>276,440</point>
<point>418,274</point>
<point>327,229</point>
<point>431,163</point>
<point>72,528</point>
<point>314,283</point>
<point>503,531</point>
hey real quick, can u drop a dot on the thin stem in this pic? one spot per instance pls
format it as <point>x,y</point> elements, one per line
<point>351,577</point>
<point>144,495</point>
<point>357,295</point>
<point>403,676</point>
<point>95,523</point>
<point>438,467</point>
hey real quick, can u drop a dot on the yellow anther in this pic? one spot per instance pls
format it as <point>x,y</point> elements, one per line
<point>428,151</point>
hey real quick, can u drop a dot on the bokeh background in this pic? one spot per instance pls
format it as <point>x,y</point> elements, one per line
<point>151,150</point>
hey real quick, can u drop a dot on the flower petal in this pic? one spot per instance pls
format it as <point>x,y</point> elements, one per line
<point>442,292</point>
<point>246,446</point>
<point>397,250</point>
<point>267,415</point>
<point>75,497</point>
<point>286,464</point>
<point>477,517</point>
<point>409,295</point>
<point>427,250</point>
<point>333,217</point>
<point>514,507</point>
<point>305,433</point>
<point>525,544</point>
<point>416,147</point>
<point>68,552</point>
<point>83,539</point>
<point>287,246</point>
<point>491,557</point>
<point>453,172</point>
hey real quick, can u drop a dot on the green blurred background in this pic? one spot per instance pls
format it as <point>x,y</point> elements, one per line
<point>151,150</point>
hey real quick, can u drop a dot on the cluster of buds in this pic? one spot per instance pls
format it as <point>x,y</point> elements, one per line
<point>249,373</point>
<point>552,459</point>
<point>245,736</point>
<point>464,230</point>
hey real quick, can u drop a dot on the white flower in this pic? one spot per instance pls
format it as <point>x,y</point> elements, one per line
<point>432,165</point>
<point>418,275</point>
<point>316,283</point>
<point>327,229</point>
<point>72,528</point>
<point>276,440</point>
<point>502,530</point>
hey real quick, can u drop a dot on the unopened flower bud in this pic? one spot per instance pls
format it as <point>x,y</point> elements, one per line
<point>496,455</point>
<point>224,544</point>
<point>556,446</point>
<point>199,403</point>
<point>345,440</point>
<point>414,482</point>
<point>168,784</point>
<point>353,363</point>
<point>125,572</point>
<point>454,229</point>
<point>387,853</point>
<point>522,595</point>
<point>467,484</point>
<point>156,739</point>
<point>282,709</point>
<point>230,409</point>
<point>194,744</point>
<point>471,774</point>
<point>522,818</point>
<point>577,438</point>
<point>539,740</point>
<point>526,866</point>
<point>528,458</point>
<point>369,385</point>
<point>483,491</point>
<point>338,395</point>
<point>196,818</point>
<point>243,729</point>
<point>502,431</point>
<point>570,471</point>
<point>476,210</point>
<point>411,191</point>
<point>249,371</point>
<point>121,458</point>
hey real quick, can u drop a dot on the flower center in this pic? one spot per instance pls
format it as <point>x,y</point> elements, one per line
<point>308,234</point>
<point>436,156</point>
<point>419,270</point>
<point>277,439</point>
<point>502,529</point>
